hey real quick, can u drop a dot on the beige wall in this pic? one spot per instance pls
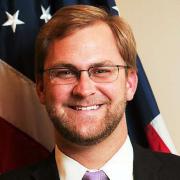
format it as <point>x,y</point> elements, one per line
<point>156,26</point>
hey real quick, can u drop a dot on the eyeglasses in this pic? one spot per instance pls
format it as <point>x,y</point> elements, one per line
<point>70,75</point>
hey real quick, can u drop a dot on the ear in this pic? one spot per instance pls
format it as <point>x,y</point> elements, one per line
<point>131,83</point>
<point>40,89</point>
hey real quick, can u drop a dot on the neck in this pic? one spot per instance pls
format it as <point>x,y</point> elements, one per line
<point>95,156</point>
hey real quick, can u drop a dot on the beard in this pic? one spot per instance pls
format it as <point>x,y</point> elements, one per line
<point>67,126</point>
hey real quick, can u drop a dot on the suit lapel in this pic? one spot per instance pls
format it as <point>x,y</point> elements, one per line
<point>146,165</point>
<point>47,170</point>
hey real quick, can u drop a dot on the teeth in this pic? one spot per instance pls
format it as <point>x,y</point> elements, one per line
<point>87,108</point>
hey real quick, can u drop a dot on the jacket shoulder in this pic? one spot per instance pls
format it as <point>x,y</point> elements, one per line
<point>170,165</point>
<point>19,174</point>
<point>165,166</point>
<point>44,170</point>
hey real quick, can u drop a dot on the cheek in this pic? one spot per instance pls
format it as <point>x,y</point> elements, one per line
<point>57,94</point>
<point>113,91</point>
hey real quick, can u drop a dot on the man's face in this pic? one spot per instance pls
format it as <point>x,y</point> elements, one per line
<point>86,112</point>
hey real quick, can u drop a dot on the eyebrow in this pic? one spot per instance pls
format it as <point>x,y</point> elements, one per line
<point>68,65</point>
<point>103,63</point>
<point>63,65</point>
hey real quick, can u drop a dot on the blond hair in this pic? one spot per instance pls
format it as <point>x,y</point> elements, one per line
<point>69,19</point>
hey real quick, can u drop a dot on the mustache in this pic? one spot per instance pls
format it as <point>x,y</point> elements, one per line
<point>87,101</point>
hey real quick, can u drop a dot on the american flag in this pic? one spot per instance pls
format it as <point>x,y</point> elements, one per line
<point>26,133</point>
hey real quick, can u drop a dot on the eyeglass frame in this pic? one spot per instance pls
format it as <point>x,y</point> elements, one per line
<point>78,72</point>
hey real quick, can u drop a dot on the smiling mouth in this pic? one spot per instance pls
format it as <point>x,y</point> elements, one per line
<point>86,108</point>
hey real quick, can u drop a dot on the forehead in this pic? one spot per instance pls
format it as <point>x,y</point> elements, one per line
<point>92,44</point>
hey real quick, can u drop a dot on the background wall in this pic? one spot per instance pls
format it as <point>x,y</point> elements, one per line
<point>156,26</point>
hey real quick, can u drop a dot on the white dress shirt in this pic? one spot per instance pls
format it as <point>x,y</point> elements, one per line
<point>120,166</point>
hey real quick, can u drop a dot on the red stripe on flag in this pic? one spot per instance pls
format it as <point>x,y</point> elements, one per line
<point>155,141</point>
<point>17,149</point>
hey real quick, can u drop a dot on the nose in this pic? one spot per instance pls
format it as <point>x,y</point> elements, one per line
<point>85,86</point>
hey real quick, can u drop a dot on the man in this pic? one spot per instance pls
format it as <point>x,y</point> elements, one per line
<point>86,73</point>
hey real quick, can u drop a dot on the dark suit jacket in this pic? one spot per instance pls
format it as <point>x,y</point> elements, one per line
<point>147,166</point>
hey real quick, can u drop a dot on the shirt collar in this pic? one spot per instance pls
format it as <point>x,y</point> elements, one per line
<point>119,166</point>
<point>68,168</point>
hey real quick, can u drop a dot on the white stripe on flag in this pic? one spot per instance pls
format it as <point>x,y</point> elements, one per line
<point>160,127</point>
